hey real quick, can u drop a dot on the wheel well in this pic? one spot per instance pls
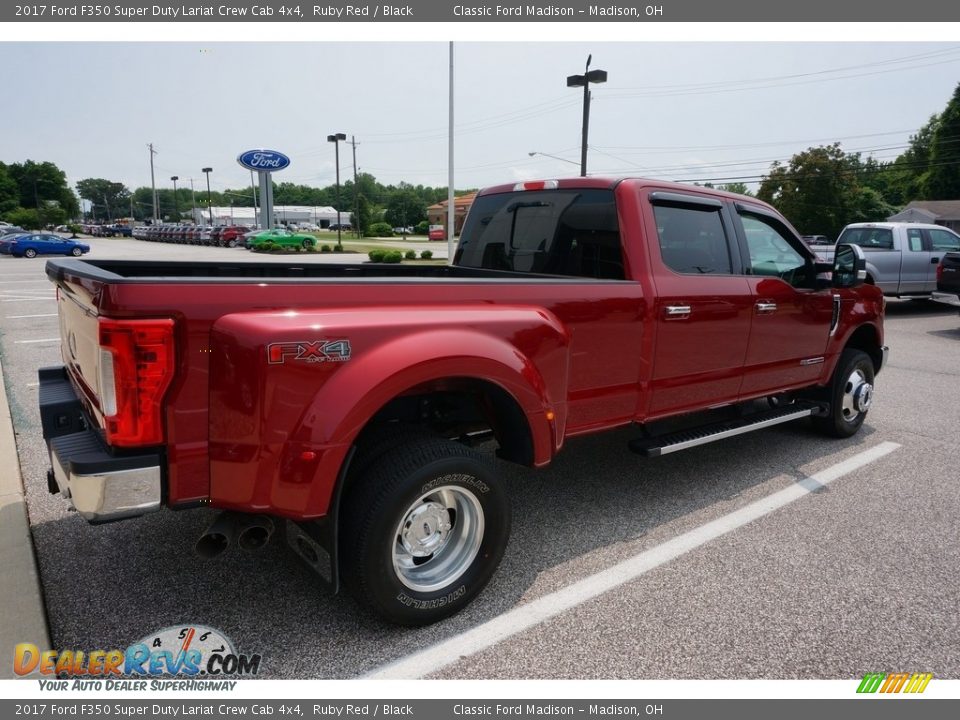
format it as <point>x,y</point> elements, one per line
<point>865,338</point>
<point>461,409</point>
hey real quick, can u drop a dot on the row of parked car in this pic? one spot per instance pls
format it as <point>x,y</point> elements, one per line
<point>219,236</point>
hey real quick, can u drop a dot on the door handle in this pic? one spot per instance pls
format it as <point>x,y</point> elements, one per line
<point>765,308</point>
<point>676,311</point>
<point>934,261</point>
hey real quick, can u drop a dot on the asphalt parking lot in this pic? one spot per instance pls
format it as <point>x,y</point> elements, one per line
<point>861,574</point>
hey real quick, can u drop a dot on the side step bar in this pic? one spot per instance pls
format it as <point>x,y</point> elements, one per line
<point>674,442</point>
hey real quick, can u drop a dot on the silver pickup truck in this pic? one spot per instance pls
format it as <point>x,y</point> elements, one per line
<point>902,258</point>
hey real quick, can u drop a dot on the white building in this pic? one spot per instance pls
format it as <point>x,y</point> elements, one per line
<point>283,215</point>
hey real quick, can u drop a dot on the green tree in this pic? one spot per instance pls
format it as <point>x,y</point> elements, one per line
<point>108,199</point>
<point>43,186</point>
<point>942,181</point>
<point>405,207</point>
<point>736,187</point>
<point>817,190</point>
<point>9,192</point>
<point>26,218</point>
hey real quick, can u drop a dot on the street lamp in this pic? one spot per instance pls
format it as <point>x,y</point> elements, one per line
<point>176,205</point>
<point>335,139</point>
<point>589,76</point>
<point>207,171</point>
<point>537,152</point>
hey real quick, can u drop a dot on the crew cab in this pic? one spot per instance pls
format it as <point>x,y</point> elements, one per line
<point>901,257</point>
<point>356,405</point>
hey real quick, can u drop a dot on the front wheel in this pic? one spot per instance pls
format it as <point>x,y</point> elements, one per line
<point>850,395</point>
<point>423,530</point>
<point>307,244</point>
<point>76,252</point>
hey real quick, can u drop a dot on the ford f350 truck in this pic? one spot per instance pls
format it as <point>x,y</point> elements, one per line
<point>348,403</point>
<point>902,258</point>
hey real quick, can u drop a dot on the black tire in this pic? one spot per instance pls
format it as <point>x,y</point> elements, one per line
<point>435,482</point>
<point>849,394</point>
<point>30,253</point>
<point>307,244</point>
<point>76,252</point>
<point>232,243</point>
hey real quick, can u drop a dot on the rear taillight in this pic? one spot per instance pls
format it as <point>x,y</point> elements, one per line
<point>940,271</point>
<point>136,367</point>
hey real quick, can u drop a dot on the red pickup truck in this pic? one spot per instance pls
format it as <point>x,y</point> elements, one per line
<point>358,404</point>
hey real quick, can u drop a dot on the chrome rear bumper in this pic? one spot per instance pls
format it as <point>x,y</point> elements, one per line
<point>102,484</point>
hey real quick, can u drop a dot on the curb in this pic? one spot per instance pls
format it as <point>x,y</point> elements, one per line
<point>21,597</point>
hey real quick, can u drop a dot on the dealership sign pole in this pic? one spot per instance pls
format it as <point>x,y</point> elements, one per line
<point>264,162</point>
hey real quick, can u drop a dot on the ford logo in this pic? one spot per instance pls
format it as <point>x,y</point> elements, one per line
<point>263,160</point>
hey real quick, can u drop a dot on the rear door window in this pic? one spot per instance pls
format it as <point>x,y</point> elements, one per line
<point>550,232</point>
<point>692,239</point>
<point>868,237</point>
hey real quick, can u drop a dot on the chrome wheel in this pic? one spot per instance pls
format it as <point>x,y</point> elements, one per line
<point>438,538</point>
<point>857,395</point>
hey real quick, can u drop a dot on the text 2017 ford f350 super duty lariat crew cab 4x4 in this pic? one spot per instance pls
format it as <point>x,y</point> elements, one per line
<point>346,400</point>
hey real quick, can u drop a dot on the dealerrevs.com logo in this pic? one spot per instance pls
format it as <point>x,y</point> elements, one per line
<point>184,657</point>
<point>888,683</point>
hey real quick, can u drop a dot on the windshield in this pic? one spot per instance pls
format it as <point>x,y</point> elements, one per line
<point>551,232</point>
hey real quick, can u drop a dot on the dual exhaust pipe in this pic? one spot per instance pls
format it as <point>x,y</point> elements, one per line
<point>250,532</point>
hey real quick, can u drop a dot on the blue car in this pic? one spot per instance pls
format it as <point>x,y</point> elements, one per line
<point>31,245</point>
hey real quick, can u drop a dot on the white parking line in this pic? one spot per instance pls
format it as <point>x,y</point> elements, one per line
<point>40,340</point>
<point>31,299</point>
<point>18,317</point>
<point>549,606</point>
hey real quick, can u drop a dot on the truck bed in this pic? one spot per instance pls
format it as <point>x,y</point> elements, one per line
<point>151,271</point>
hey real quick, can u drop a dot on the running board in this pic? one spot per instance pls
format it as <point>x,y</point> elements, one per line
<point>674,442</point>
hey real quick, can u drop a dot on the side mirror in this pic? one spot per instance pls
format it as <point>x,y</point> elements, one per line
<point>849,266</point>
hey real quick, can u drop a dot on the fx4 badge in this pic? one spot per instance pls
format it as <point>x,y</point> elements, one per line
<point>317,351</point>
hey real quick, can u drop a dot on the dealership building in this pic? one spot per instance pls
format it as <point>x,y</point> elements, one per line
<point>282,214</point>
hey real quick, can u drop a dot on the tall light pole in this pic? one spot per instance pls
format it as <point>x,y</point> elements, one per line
<point>335,139</point>
<point>589,76</point>
<point>193,202</point>
<point>207,171</point>
<point>176,205</point>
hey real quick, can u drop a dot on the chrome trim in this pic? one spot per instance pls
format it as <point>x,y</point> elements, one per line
<point>667,449</point>
<point>835,318</point>
<point>110,495</point>
<point>946,298</point>
<point>765,308</point>
<point>676,310</point>
<point>812,361</point>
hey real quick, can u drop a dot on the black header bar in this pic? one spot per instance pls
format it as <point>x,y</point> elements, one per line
<point>654,11</point>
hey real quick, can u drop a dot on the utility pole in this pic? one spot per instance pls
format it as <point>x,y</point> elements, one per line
<point>193,196</point>
<point>451,208</point>
<point>153,184</point>
<point>356,187</point>
<point>206,171</point>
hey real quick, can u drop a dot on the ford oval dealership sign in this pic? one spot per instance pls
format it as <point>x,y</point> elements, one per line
<point>263,160</point>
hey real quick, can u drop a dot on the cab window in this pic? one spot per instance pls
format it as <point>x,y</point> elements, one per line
<point>692,239</point>
<point>772,253</point>
<point>551,232</point>
<point>944,240</point>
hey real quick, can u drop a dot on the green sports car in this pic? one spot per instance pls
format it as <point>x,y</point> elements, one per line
<point>284,238</point>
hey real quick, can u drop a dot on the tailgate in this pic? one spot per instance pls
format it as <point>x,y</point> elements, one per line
<point>79,342</point>
<point>948,278</point>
